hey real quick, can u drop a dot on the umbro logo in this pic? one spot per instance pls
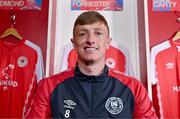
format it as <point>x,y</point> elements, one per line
<point>69,104</point>
<point>170,65</point>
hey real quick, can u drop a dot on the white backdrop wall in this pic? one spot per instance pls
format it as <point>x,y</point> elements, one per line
<point>123,29</point>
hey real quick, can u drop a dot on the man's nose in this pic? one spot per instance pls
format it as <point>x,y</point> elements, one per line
<point>91,39</point>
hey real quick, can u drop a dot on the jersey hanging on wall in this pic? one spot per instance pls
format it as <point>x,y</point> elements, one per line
<point>117,57</point>
<point>21,67</point>
<point>165,77</point>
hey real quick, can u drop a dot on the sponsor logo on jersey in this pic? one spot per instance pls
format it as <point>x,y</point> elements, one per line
<point>22,61</point>
<point>7,81</point>
<point>7,70</point>
<point>69,104</point>
<point>114,105</point>
<point>110,62</point>
<point>170,65</point>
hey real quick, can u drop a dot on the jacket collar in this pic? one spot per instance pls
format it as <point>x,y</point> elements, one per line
<point>102,76</point>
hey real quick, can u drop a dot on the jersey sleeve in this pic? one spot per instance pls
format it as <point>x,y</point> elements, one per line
<point>38,75</point>
<point>155,50</point>
<point>129,68</point>
<point>64,63</point>
<point>153,67</point>
<point>39,71</point>
<point>143,106</point>
<point>41,103</point>
<point>39,66</point>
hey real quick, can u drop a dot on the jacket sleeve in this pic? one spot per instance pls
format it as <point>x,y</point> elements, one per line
<point>143,106</point>
<point>41,102</point>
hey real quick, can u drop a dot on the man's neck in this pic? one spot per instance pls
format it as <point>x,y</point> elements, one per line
<point>91,69</point>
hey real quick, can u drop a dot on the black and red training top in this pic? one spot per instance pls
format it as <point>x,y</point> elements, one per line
<point>72,94</point>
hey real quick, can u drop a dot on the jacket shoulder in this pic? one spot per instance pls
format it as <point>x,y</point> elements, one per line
<point>52,81</point>
<point>132,83</point>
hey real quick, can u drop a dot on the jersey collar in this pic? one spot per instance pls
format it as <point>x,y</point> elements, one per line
<point>175,45</point>
<point>5,43</point>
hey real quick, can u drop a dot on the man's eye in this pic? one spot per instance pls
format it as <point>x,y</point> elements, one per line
<point>82,34</point>
<point>98,33</point>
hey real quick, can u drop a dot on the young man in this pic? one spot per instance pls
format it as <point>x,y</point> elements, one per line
<point>91,89</point>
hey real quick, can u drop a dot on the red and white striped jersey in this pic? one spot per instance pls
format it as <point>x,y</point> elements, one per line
<point>21,67</point>
<point>165,77</point>
<point>117,57</point>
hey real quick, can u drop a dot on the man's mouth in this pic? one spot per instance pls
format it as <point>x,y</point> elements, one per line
<point>90,48</point>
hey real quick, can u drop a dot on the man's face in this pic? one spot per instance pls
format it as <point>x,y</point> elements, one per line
<point>91,42</point>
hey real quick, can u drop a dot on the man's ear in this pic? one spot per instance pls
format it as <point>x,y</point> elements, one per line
<point>109,42</point>
<point>73,42</point>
